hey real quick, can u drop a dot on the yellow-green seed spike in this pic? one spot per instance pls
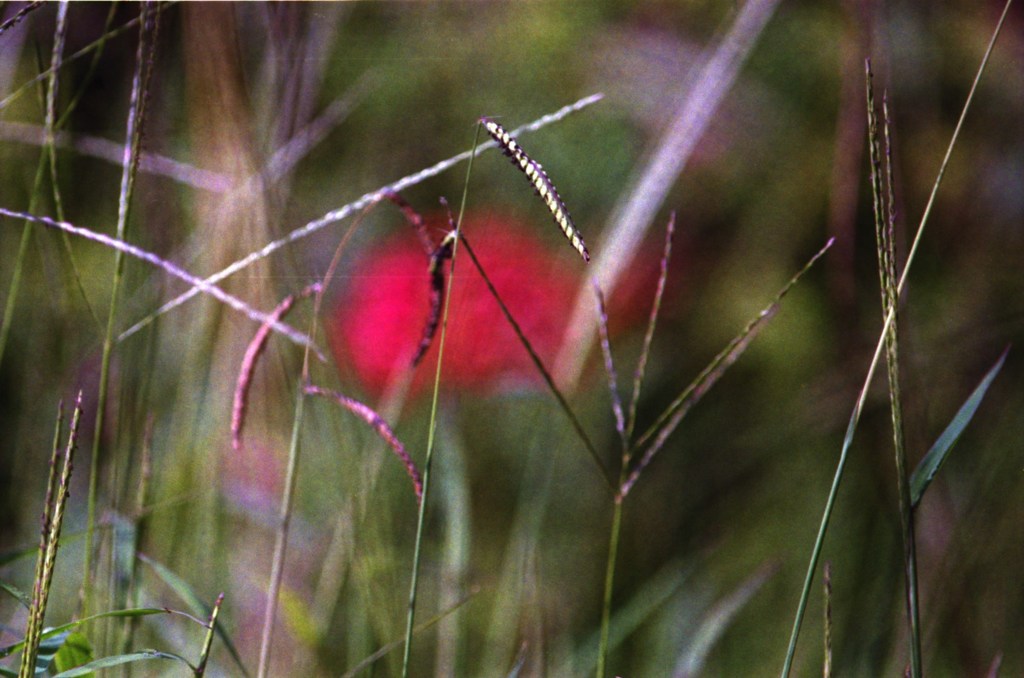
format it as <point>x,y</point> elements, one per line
<point>540,181</point>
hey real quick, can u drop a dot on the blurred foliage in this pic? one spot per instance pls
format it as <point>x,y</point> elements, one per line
<point>521,516</point>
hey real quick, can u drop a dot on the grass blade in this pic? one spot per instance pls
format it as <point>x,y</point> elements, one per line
<point>933,460</point>
<point>717,620</point>
<point>120,659</point>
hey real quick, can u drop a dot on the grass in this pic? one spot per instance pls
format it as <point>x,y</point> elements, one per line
<point>549,521</point>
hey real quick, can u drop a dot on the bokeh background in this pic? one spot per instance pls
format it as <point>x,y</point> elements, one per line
<point>718,531</point>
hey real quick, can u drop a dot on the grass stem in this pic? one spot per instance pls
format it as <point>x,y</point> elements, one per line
<point>410,620</point>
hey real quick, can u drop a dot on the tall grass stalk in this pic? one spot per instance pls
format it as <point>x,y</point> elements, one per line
<point>133,138</point>
<point>204,655</point>
<point>410,619</point>
<point>862,396</point>
<point>57,491</point>
<point>49,128</point>
<point>284,522</point>
<point>885,223</point>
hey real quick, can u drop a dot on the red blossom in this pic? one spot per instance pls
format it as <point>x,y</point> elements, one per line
<point>379,319</point>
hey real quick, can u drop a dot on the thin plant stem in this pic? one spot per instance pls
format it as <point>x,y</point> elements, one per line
<point>281,541</point>
<point>204,655</point>
<point>172,269</point>
<point>133,137</point>
<point>96,44</point>
<point>410,620</point>
<point>859,405</point>
<point>49,128</point>
<point>15,285</point>
<point>609,580</point>
<point>562,402</point>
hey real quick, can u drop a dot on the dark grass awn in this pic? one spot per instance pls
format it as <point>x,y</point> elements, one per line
<point>541,183</point>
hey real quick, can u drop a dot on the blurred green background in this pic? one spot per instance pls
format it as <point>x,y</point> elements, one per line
<point>520,519</point>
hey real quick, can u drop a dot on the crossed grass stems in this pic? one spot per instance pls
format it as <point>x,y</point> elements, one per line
<point>637,451</point>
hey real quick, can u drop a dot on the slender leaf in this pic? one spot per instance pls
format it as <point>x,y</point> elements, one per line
<point>119,659</point>
<point>57,630</point>
<point>195,603</point>
<point>717,620</point>
<point>17,594</point>
<point>933,460</point>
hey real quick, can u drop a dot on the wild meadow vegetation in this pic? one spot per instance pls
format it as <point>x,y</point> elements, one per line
<point>298,378</point>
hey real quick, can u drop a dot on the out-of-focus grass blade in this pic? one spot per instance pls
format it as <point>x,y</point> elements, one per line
<point>195,603</point>
<point>651,598</point>
<point>717,621</point>
<point>17,594</point>
<point>118,659</point>
<point>933,460</point>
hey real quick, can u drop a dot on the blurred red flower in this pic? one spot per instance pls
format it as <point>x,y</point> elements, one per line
<point>379,320</point>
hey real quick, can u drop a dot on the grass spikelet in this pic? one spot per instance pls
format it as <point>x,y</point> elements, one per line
<point>252,354</point>
<point>540,181</point>
<point>414,218</point>
<point>885,219</point>
<point>19,15</point>
<point>53,519</point>
<point>609,367</point>
<point>652,321</point>
<point>442,253</point>
<point>370,416</point>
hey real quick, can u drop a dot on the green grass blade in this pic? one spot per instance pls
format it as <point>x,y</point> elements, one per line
<point>933,460</point>
<point>195,603</point>
<point>49,633</point>
<point>17,594</point>
<point>119,659</point>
